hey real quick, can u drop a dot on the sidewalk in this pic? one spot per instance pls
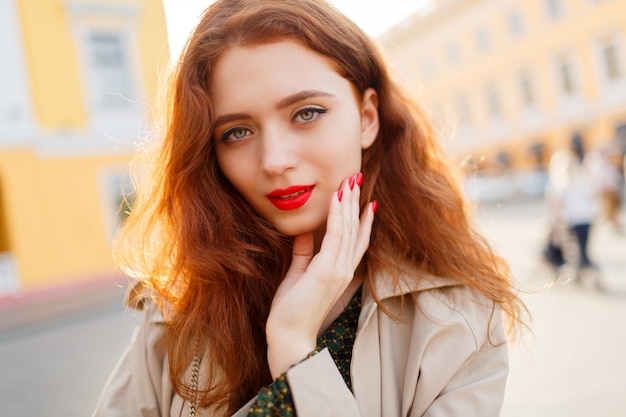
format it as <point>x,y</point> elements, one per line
<point>571,362</point>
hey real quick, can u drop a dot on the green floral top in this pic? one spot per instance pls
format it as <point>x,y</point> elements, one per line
<point>276,400</point>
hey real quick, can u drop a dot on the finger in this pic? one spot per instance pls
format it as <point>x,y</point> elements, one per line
<point>365,232</point>
<point>332,238</point>
<point>354,222</point>
<point>343,263</point>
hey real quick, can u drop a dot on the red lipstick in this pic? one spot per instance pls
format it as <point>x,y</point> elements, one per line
<point>290,198</point>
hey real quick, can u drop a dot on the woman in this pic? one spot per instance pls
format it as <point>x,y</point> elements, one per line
<point>266,284</point>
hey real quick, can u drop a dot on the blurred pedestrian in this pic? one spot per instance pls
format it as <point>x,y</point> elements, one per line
<point>573,195</point>
<point>605,166</point>
<point>269,282</point>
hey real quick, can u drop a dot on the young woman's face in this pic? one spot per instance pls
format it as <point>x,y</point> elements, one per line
<point>289,129</point>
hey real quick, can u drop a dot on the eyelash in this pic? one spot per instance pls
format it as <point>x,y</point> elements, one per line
<point>317,112</point>
<point>230,132</point>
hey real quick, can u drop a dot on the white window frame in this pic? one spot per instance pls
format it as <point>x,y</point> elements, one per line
<point>554,9</point>
<point>453,54</point>
<point>116,195</point>
<point>515,23</point>
<point>527,88</point>
<point>493,100</point>
<point>566,60</point>
<point>568,103</point>
<point>109,71</point>
<point>530,111</point>
<point>466,132</point>
<point>18,124</point>
<point>610,89</point>
<point>482,39</point>
<point>463,110</point>
<point>9,274</point>
<point>428,68</point>
<point>119,123</point>
<point>496,124</point>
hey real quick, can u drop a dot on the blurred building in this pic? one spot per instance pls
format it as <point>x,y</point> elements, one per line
<point>510,81</point>
<point>77,81</point>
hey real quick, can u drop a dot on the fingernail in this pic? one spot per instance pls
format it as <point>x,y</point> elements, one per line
<point>374,206</point>
<point>351,182</point>
<point>340,194</point>
<point>359,179</point>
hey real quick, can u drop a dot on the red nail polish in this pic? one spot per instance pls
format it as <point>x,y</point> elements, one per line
<point>351,182</point>
<point>340,194</point>
<point>359,179</point>
<point>374,206</point>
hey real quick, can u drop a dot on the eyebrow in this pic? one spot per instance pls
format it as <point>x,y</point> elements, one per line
<point>300,96</point>
<point>284,102</point>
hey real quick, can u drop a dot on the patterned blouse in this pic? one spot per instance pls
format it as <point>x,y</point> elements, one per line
<point>276,400</point>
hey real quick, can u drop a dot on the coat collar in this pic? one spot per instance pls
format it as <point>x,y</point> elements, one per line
<point>409,280</point>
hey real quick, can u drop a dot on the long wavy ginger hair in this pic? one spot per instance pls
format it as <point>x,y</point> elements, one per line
<point>213,264</point>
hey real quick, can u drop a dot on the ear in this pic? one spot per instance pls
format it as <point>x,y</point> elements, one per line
<point>369,118</point>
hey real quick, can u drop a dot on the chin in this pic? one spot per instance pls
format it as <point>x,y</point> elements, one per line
<point>297,227</point>
<point>292,231</point>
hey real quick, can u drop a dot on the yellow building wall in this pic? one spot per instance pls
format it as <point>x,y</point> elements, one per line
<point>57,212</point>
<point>53,64</point>
<point>542,40</point>
<point>57,216</point>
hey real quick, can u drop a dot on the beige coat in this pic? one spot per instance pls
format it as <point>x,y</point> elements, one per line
<point>439,360</point>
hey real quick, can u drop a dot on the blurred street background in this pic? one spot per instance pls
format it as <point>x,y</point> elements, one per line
<point>507,83</point>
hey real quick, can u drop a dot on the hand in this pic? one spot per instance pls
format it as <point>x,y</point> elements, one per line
<point>314,284</point>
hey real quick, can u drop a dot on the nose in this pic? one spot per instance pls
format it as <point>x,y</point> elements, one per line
<point>278,154</point>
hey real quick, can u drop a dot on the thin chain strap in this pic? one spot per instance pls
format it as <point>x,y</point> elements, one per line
<point>195,370</point>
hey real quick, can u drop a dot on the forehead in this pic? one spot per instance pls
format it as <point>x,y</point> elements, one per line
<point>282,67</point>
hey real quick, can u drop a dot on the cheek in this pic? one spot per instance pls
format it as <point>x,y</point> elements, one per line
<point>340,162</point>
<point>233,170</point>
<point>346,150</point>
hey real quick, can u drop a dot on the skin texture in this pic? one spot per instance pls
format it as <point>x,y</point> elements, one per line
<point>285,118</point>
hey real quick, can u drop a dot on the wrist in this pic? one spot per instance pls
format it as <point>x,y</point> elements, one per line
<point>282,354</point>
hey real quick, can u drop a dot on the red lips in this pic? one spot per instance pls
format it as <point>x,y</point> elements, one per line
<point>291,198</point>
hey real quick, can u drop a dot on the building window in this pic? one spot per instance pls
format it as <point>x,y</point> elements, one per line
<point>554,8</point>
<point>118,198</point>
<point>493,101</point>
<point>17,120</point>
<point>108,47</point>
<point>463,113</point>
<point>503,159</point>
<point>427,68</point>
<point>515,23</point>
<point>454,54</point>
<point>611,60</point>
<point>483,42</point>
<point>527,90</point>
<point>565,76</point>
<point>538,153</point>
<point>110,70</point>
<point>620,136</point>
